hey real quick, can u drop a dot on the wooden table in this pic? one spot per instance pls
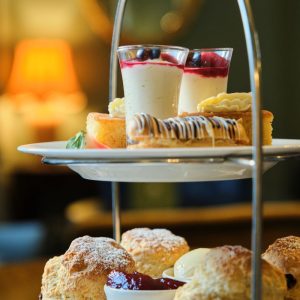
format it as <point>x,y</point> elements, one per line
<point>21,281</point>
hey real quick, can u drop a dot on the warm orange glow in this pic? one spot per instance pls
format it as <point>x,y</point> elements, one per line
<point>41,67</point>
<point>43,85</point>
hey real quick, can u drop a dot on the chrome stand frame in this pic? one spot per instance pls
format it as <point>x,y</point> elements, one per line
<point>255,70</point>
<point>254,60</point>
<point>116,213</point>
<point>113,84</point>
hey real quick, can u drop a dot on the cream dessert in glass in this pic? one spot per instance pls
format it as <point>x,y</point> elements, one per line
<point>205,75</point>
<point>151,78</point>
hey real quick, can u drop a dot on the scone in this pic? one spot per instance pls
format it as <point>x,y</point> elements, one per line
<point>50,279</point>
<point>284,253</point>
<point>153,250</point>
<point>102,129</point>
<point>80,273</point>
<point>225,274</point>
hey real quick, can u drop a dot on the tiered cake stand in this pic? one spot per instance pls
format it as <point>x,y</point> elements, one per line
<point>179,165</point>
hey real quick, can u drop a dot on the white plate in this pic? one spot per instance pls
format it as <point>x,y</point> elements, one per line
<point>158,171</point>
<point>58,150</point>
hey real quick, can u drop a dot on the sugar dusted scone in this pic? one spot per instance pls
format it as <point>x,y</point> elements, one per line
<point>153,250</point>
<point>80,273</point>
<point>50,283</point>
<point>102,129</point>
<point>225,274</point>
<point>284,253</point>
<point>237,106</point>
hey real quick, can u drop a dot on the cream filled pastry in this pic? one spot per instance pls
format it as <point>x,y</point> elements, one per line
<point>236,106</point>
<point>191,131</point>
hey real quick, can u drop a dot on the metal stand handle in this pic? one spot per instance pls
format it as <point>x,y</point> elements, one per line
<point>116,216</point>
<point>254,60</point>
<point>255,70</point>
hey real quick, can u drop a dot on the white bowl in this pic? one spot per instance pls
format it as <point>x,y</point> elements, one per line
<point>121,294</point>
<point>169,273</point>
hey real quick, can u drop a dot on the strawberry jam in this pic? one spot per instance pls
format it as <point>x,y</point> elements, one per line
<point>138,281</point>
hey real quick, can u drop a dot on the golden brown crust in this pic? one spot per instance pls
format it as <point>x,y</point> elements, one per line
<point>231,114</point>
<point>153,250</point>
<point>225,275</point>
<point>107,130</point>
<point>284,253</point>
<point>101,117</point>
<point>50,282</point>
<point>267,119</point>
<point>80,274</point>
<point>164,143</point>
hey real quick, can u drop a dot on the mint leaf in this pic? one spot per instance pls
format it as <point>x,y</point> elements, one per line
<point>77,141</point>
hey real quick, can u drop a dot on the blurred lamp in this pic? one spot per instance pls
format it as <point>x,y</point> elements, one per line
<point>43,84</point>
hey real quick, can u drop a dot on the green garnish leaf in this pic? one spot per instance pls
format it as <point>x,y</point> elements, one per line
<point>77,141</point>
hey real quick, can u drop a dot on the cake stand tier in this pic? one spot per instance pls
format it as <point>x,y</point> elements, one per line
<point>163,165</point>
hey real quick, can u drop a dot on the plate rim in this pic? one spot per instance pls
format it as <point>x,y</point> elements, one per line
<point>281,146</point>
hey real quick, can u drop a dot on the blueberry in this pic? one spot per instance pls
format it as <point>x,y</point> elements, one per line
<point>154,53</point>
<point>193,60</point>
<point>142,54</point>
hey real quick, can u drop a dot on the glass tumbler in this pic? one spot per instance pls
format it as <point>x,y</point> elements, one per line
<point>205,75</point>
<point>151,78</point>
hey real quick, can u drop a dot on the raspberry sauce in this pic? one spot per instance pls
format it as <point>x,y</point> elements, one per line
<point>134,63</point>
<point>208,71</point>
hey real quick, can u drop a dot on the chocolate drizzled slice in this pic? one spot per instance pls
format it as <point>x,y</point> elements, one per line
<point>185,128</point>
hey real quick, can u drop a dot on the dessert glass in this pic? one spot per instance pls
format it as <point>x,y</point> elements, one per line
<point>205,75</point>
<point>151,78</point>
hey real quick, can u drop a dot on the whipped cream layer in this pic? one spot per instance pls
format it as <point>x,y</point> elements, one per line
<point>224,102</point>
<point>186,265</point>
<point>195,88</point>
<point>151,87</point>
<point>116,108</point>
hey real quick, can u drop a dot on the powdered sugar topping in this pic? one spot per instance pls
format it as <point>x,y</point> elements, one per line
<point>96,255</point>
<point>152,239</point>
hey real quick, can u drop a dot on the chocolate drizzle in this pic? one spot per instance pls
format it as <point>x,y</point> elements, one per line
<point>186,128</point>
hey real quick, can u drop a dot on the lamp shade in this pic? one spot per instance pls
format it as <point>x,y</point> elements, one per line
<point>41,67</point>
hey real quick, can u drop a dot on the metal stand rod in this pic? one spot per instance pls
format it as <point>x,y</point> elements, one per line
<point>113,78</point>
<point>112,94</point>
<point>254,60</point>
<point>116,211</point>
